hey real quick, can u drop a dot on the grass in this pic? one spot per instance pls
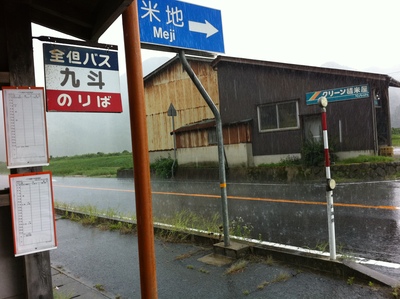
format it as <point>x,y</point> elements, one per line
<point>288,161</point>
<point>3,168</point>
<point>237,267</point>
<point>350,280</point>
<point>395,292</point>
<point>58,295</point>
<point>354,160</point>
<point>106,165</point>
<point>99,287</point>
<point>365,159</point>
<point>184,219</point>
<point>91,216</point>
<point>281,277</point>
<point>201,270</point>
<point>396,137</point>
<point>92,165</point>
<point>239,228</point>
<point>188,254</point>
<point>270,261</point>
<point>180,222</point>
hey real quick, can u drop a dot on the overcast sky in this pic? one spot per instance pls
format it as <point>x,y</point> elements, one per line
<point>354,33</point>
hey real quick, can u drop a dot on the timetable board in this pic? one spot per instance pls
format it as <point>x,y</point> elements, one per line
<point>25,126</point>
<point>32,207</point>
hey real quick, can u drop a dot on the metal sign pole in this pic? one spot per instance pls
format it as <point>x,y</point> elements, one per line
<point>330,183</point>
<point>221,156</point>
<point>172,112</point>
<point>173,132</point>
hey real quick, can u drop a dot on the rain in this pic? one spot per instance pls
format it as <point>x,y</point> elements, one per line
<point>293,214</point>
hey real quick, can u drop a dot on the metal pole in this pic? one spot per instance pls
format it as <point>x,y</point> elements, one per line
<point>174,136</point>
<point>330,184</point>
<point>141,161</point>
<point>221,157</point>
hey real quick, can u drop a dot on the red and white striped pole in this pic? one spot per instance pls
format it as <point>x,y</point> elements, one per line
<point>330,183</point>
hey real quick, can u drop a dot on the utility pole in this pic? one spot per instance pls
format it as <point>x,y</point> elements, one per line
<point>141,161</point>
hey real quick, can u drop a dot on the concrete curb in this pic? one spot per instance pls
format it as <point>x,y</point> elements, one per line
<point>66,285</point>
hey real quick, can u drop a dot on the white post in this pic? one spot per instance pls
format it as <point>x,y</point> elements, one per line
<point>330,183</point>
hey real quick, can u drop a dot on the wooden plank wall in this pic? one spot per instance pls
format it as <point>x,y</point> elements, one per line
<point>233,134</point>
<point>173,85</point>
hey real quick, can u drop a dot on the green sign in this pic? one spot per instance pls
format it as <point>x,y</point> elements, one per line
<point>339,94</point>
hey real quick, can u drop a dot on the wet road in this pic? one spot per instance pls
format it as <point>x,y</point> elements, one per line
<point>366,214</point>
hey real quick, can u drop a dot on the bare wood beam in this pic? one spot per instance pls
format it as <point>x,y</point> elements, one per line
<point>4,78</point>
<point>21,67</point>
<point>4,200</point>
<point>69,15</point>
<point>104,19</point>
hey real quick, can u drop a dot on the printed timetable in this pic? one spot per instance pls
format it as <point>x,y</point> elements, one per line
<point>25,127</point>
<point>32,209</point>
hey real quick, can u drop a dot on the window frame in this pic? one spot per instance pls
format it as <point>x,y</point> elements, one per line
<point>276,104</point>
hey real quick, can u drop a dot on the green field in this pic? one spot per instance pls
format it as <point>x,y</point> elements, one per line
<point>396,139</point>
<point>99,165</point>
<point>107,165</point>
<point>396,136</point>
<point>3,168</point>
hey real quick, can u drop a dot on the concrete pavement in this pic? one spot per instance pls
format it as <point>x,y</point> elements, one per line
<point>88,258</point>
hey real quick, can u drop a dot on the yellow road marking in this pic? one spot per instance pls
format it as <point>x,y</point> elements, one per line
<point>276,200</point>
<point>94,188</point>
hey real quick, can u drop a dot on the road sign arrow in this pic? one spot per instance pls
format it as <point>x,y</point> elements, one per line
<point>205,28</point>
<point>200,29</point>
<point>171,110</point>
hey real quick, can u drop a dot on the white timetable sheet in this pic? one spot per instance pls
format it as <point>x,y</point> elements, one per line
<point>25,127</point>
<point>32,207</point>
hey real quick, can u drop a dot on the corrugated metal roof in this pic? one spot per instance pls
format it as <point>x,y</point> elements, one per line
<point>297,67</point>
<point>206,124</point>
<point>303,68</point>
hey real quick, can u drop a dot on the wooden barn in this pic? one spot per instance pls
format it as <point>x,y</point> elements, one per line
<point>169,84</point>
<point>268,109</point>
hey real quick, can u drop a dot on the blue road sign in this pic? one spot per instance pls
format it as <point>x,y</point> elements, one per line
<point>182,25</point>
<point>339,94</point>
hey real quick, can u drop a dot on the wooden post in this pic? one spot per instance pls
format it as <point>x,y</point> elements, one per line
<point>21,68</point>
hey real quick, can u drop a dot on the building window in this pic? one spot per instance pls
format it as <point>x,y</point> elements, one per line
<point>279,116</point>
<point>212,136</point>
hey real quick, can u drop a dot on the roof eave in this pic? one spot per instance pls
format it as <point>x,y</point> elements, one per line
<point>304,68</point>
<point>78,25</point>
<point>171,61</point>
<point>393,82</point>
